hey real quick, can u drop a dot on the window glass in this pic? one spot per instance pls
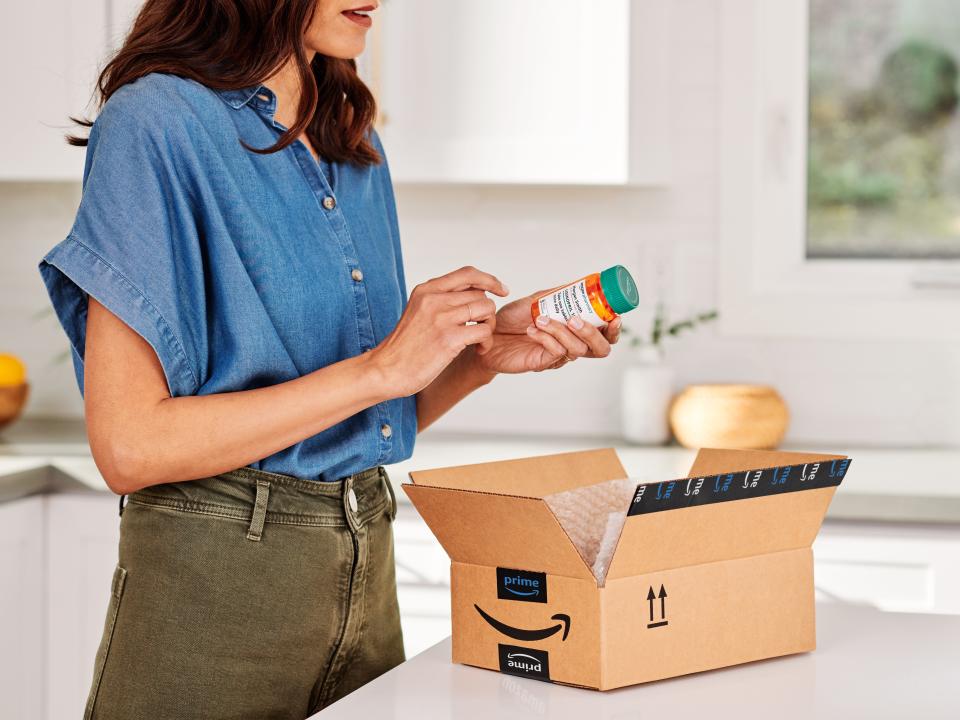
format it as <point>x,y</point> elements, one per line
<point>883,176</point>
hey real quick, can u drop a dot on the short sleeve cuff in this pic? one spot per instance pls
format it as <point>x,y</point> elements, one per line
<point>71,271</point>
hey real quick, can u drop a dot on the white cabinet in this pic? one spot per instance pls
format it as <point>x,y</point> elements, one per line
<point>83,534</point>
<point>570,92</point>
<point>57,554</point>
<point>900,567</point>
<point>53,52</point>
<point>423,582</point>
<point>477,92</point>
<point>22,614</point>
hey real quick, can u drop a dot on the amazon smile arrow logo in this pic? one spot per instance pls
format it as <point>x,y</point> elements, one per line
<point>528,635</point>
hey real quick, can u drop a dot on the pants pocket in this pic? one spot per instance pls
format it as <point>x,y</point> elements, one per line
<point>116,594</point>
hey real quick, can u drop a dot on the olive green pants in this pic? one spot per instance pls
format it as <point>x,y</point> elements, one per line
<point>249,595</point>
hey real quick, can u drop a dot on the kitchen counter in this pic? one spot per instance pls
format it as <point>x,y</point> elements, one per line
<point>868,664</point>
<point>55,452</point>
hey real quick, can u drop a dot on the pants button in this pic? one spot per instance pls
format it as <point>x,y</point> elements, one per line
<point>352,500</point>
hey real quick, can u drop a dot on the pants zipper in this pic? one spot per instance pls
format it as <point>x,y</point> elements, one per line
<point>324,690</point>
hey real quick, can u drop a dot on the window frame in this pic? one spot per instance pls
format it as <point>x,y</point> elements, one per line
<point>772,288</point>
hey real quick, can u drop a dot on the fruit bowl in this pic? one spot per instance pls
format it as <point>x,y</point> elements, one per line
<point>13,398</point>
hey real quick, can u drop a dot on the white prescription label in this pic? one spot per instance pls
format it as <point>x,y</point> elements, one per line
<point>566,302</point>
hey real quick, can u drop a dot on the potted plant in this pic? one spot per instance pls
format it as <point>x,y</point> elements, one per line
<point>648,382</point>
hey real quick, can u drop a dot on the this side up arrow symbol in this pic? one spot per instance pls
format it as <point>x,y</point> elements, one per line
<point>651,596</point>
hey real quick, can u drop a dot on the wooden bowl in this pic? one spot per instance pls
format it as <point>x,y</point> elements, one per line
<point>13,398</point>
<point>751,417</point>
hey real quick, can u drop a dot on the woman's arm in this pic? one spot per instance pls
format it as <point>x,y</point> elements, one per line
<point>458,379</point>
<point>140,436</point>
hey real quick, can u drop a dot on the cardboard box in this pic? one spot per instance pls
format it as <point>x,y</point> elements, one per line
<point>706,572</point>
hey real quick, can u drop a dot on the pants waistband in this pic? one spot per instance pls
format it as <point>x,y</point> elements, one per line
<point>260,496</point>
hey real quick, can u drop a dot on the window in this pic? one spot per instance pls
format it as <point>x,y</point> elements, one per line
<point>840,169</point>
<point>883,157</point>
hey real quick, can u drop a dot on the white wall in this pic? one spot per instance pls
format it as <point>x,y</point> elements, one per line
<point>33,218</point>
<point>840,393</point>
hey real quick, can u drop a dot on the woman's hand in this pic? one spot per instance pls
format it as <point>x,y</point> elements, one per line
<point>433,329</point>
<point>518,346</point>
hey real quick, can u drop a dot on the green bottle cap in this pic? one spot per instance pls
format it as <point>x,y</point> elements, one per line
<point>620,289</point>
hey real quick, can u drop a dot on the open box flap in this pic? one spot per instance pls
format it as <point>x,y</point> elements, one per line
<point>497,530</point>
<point>712,461</point>
<point>758,518</point>
<point>531,477</point>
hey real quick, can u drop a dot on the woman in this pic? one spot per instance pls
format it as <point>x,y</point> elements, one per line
<point>234,294</point>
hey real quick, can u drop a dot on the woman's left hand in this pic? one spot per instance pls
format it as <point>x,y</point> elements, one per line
<point>520,346</point>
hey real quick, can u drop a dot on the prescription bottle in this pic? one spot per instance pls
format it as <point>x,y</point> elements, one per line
<point>596,298</point>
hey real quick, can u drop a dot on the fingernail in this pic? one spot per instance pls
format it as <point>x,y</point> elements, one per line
<point>575,322</point>
<point>531,330</point>
<point>506,290</point>
<point>543,320</point>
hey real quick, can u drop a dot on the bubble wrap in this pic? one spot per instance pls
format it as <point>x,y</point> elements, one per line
<point>592,517</point>
<point>608,543</point>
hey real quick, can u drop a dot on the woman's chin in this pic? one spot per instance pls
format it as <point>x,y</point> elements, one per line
<point>343,50</point>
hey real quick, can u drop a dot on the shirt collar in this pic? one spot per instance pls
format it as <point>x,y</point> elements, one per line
<point>238,98</point>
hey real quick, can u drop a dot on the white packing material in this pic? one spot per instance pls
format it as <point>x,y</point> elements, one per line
<point>608,543</point>
<point>592,517</point>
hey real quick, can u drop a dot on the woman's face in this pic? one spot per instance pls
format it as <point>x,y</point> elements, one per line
<point>339,27</point>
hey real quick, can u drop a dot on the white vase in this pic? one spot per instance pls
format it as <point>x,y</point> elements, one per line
<point>645,398</point>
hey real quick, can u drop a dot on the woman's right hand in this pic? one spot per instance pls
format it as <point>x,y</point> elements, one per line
<point>433,329</point>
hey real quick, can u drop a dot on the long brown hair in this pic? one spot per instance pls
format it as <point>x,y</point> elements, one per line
<point>233,44</point>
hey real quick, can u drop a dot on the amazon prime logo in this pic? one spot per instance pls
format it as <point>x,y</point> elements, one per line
<point>521,585</point>
<point>525,662</point>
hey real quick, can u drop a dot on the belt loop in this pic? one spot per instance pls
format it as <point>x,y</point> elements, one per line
<point>122,498</point>
<point>259,511</point>
<point>393,495</point>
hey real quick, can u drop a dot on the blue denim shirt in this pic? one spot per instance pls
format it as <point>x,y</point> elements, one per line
<point>241,270</point>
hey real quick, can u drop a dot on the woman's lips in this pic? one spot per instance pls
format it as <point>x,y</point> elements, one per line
<point>359,15</point>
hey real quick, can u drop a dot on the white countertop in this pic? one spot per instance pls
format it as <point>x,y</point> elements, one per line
<point>868,664</point>
<point>884,484</point>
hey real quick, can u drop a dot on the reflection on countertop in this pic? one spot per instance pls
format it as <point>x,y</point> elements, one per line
<point>914,485</point>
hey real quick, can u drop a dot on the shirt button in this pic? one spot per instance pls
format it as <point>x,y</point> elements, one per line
<point>357,274</point>
<point>352,499</point>
<point>386,430</point>
<point>329,202</point>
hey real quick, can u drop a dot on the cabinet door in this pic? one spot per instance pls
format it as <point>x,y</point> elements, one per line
<point>423,582</point>
<point>21,608</point>
<point>503,91</point>
<point>52,51</point>
<point>889,566</point>
<point>83,534</point>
